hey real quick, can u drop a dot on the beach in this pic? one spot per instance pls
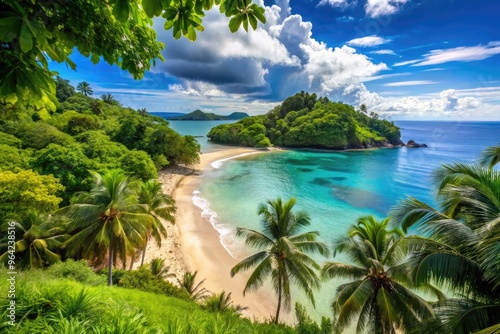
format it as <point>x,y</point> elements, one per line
<point>193,244</point>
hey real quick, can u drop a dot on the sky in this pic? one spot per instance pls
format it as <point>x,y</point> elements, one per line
<point>403,59</point>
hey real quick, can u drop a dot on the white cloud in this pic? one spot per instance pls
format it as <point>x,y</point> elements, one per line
<point>245,63</point>
<point>448,103</point>
<point>463,53</point>
<point>330,69</point>
<point>384,52</point>
<point>377,8</point>
<point>385,76</point>
<point>368,41</point>
<point>344,19</point>
<point>407,62</point>
<point>410,83</point>
<point>196,88</point>
<point>337,3</point>
<point>373,8</point>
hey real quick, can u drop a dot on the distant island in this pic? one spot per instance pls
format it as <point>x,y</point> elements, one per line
<point>306,121</point>
<point>199,115</point>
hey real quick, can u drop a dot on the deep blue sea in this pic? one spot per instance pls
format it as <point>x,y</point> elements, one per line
<point>335,188</point>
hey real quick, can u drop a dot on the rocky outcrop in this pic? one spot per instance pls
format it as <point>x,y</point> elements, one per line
<point>412,144</point>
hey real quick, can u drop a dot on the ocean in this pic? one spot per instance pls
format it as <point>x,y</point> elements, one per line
<point>335,188</point>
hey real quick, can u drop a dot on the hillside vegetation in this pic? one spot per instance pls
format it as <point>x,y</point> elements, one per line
<point>70,298</point>
<point>199,115</point>
<point>83,135</point>
<point>305,121</point>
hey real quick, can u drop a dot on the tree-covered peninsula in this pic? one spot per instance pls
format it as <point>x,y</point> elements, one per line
<point>306,121</point>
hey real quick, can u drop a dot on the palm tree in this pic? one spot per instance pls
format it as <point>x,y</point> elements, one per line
<point>107,219</point>
<point>97,107</point>
<point>109,99</point>
<point>188,283</point>
<point>159,205</point>
<point>462,248</point>
<point>40,242</point>
<point>377,296</point>
<point>159,270</point>
<point>221,302</point>
<point>284,252</point>
<point>84,88</point>
<point>491,156</point>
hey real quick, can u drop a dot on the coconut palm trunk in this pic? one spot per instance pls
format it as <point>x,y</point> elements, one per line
<point>110,265</point>
<point>144,251</point>
<point>280,295</point>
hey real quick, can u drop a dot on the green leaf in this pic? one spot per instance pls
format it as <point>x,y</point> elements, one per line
<point>10,28</point>
<point>26,39</point>
<point>168,24</point>
<point>94,58</point>
<point>177,33</point>
<point>191,33</point>
<point>235,23</point>
<point>245,23</point>
<point>258,12</point>
<point>152,7</point>
<point>253,21</point>
<point>121,10</point>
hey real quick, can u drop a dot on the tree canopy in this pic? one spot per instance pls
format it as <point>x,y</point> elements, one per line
<point>304,120</point>
<point>34,33</point>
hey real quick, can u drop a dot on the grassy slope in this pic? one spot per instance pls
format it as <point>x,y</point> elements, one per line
<point>51,305</point>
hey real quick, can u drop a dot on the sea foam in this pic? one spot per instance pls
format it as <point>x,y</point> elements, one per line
<point>227,233</point>
<point>218,163</point>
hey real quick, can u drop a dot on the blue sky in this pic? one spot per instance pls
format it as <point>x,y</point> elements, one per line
<point>404,59</point>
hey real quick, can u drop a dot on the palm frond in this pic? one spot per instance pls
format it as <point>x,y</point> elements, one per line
<point>338,269</point>
<point>491,156</point>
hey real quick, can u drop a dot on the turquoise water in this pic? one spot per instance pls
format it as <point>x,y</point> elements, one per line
<point>335,188</point>
<point>199,129</point>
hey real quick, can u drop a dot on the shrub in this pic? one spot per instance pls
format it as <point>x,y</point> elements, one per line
<point>76,270</point>
<point>143,279</point>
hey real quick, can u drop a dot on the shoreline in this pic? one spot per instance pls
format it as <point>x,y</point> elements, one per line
<point>201,243</point>
<point>194,244</point>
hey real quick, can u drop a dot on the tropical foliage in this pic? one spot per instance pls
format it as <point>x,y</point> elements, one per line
<point>39,242</point>
<point>34,33</point>
<point>159,206</point>
<point>378,295</point>
<point>303,120</point>
<point>188,283</point>
<point>84,88</point>
<point>27,191</point>
<point>221,302</point>
<point>461,251</point>
<point>53,302</point>
<point>284,252</point>
<point>108,219</point>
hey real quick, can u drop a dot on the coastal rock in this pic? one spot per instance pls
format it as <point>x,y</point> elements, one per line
<point>412,144</point>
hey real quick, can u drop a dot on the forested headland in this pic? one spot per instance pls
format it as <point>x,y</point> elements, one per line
<point>59,150</point>
<point>306,121</point>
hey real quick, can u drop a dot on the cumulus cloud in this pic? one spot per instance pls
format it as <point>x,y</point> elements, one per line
<point>378,8</point>
<point>384,52</point>
<point>448,103</point>
<point>282,50</point>
<point>338,3</point>
<point>237,73</point>
<point>329,69</point>
<point>373,8</point>
<point>368,41</point>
